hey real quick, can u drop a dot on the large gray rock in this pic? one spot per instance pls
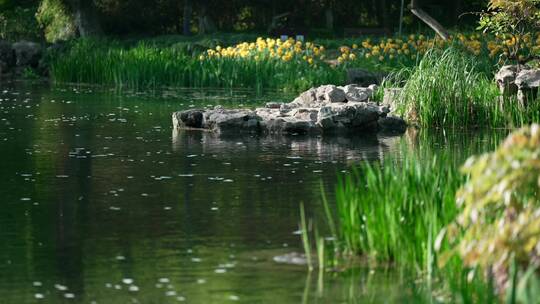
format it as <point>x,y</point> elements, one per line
<point>357,94</point>
<point>506,78</point>
<point>392,97</point>
<point>528,83</point>
<point>392,123</point>
<point>189,119</point>
<point>325,109</point>
<point>330,93</point>
<point>27,53</point>
<point>7,56</point>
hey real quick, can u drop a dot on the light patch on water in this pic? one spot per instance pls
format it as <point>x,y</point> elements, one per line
<point>69,295</point>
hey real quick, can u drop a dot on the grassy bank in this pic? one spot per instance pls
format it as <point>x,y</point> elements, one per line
<point>146,65</point>
<point>448,89</point>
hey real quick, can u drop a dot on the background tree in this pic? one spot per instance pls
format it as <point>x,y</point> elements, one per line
<point>515,20</point>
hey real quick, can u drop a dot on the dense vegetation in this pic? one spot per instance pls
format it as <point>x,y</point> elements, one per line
<point>490,215</point>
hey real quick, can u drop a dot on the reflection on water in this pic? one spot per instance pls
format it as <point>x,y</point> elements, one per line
<point>101,204</point>
<point>346,149</point>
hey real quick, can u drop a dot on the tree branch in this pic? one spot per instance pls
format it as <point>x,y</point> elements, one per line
<point>422,15</point>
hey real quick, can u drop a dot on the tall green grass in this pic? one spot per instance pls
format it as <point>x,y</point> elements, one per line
<point>149,66</point>
<point>446,89</point>
<point>392,211</point>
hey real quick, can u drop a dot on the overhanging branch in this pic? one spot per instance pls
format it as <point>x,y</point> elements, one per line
<point>422,15</point>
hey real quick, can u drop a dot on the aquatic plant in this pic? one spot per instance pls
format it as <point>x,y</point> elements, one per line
<point>145,65</point>
<point>446,89</point>
<point>389,214</point>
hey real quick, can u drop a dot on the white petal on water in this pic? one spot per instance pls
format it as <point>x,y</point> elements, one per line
<point>60,287</point>
<point>220,270</point>
<point>133,288</point>
<point>234,298</point>
<point>170,293</point>
<point>127,281</point>
<point>164,280</point>
<point>37,283</point>
<point>39,296</point>
<point>69,295</point>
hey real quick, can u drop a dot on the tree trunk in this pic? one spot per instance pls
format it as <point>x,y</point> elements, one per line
<point>329,17</point>
<point>186,20</point>
<point>383,19</point>
<point>206,25</point>
<point>458,6</point>
<point>436,26</point>
<point>85,16</point>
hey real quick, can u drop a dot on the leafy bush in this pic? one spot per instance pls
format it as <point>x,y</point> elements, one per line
<point>512,19</point>
<point>19,23</point>
<point>57,23</point>
<point>500,218</point>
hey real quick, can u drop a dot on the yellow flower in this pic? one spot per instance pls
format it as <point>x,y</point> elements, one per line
<point>352,56</point>
<point>201,58</point>
<point>355,46</point>
<point>310,60</point>
<point>381,58</point>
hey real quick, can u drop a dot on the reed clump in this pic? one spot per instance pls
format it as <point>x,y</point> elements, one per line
<point>146,65</point>
<point>446,89</point>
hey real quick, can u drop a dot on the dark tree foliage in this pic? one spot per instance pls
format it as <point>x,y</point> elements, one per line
<point>150,17</point>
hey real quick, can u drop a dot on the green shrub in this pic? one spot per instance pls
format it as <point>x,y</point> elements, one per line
<point>57,23</point>
<point>19,23</point>
<point>500,207</point>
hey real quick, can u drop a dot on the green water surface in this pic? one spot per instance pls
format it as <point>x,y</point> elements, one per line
<point>102,202</point>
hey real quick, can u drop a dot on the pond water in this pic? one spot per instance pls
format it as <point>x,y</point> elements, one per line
<point>102,202</point>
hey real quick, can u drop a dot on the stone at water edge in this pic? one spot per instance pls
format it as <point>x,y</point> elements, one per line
<point>326,109</point>
<point>27,53</point>
<point>7,56</point>
<point>506,78</point>
<point>528,83</point>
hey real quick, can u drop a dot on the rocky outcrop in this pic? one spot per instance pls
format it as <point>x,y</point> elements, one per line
<point>27,53</point>
<point>16,57</point>
<point>520,80</point>
<point>326,109</point>
<point>7,57</point>
<point>528,84</point>
<point>506,78</point>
